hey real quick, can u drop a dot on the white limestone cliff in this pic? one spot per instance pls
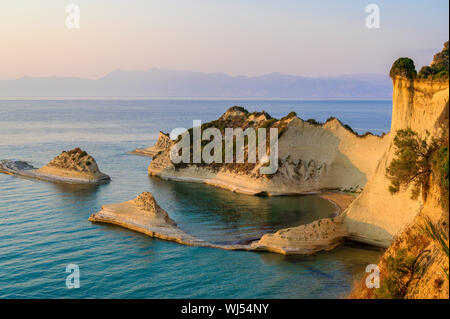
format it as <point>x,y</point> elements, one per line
<point>376,216</point>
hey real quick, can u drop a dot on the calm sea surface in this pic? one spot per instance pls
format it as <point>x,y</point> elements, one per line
<point>44,226</point>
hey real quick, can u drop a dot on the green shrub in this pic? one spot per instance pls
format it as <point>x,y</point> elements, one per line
<point>442,74</point>
<point>439,68</point>
<point>349,128</point>
<point>238,109</point>
<point>440,171</point>
<point>425,72</point>
<point>291,114</point>
<point>403,67</point>
<point>267,115</point>
<point>442,165</point>
<point>437,233</point>
<point>399,269</point>
<point>367,134</point>
<point>313,122</point>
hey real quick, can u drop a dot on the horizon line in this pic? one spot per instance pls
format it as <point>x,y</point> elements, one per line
<point>191,71</point>
<point>205,98</point>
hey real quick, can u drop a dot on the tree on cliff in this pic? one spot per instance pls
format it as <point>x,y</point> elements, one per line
<point>412,162</point>
<point>403,67</point>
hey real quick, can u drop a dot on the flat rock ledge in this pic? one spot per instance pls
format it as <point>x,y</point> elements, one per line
<point>74,166</point>
<point>324,234</point>
<point>144,215</point>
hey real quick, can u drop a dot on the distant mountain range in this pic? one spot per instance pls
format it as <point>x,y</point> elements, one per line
<point>170,83</point>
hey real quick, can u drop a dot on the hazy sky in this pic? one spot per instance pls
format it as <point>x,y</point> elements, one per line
<point>239,37</point>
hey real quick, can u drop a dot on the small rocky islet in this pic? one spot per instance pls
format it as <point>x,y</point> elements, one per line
<point>144,215</point>
<point>74,166</point>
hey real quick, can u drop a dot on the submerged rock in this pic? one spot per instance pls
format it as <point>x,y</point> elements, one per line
<point>74,166</point>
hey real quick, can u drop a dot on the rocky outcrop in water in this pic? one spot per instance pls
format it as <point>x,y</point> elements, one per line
<point>312,157</point>
<point>163,143</point>
<point>144,215</point>
<point>142,211</point>
<point>74,166</point>
<point>75,160</point>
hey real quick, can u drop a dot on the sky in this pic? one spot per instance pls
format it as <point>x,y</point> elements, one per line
<point>238,37</point>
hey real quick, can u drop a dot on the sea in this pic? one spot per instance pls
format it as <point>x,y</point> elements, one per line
<point>44,227</point>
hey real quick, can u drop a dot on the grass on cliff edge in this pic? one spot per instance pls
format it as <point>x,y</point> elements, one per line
<point>400,269</point>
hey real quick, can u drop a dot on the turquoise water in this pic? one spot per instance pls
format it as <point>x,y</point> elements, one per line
<point>44,226</point>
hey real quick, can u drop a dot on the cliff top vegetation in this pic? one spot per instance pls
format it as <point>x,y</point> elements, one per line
<point>438,69</point>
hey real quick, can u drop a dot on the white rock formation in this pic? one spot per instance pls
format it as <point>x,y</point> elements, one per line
<point>312,157</point>
<point>163,143</point>
<point>144,215</point>
<point>74,166</point>
<point>376,215</point>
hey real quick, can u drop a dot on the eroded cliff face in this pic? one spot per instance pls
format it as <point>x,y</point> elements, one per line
<point>312,157</point>
<point>421,105</point>
<point>318,157</point>
<point>376,215</point>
